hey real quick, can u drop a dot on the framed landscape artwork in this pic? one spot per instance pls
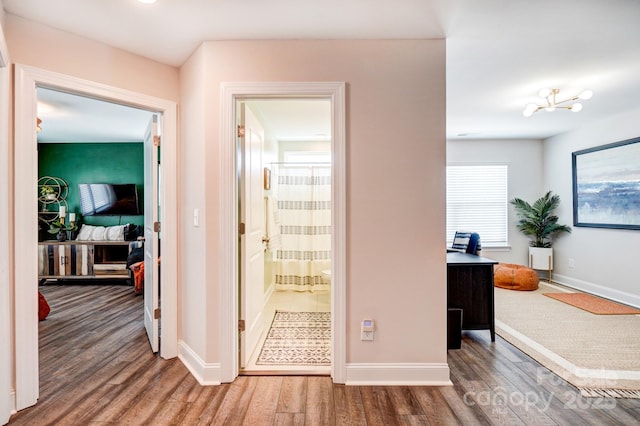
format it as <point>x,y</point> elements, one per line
<point>606,186</point>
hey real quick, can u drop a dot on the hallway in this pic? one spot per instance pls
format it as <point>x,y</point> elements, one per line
<point>96,367</point>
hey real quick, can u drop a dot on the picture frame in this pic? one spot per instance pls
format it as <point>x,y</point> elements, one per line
<point>606,185</point>
<point>266,178</point>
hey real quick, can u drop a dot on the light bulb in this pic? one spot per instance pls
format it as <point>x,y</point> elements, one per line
<point>551,108</point>
<point>544,92</point>
<point>147,1</point>
<point>577,107</point>
<point>586,94</point>
<point>527,113</point>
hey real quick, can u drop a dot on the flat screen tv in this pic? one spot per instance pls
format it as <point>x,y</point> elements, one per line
<point>108,199</point>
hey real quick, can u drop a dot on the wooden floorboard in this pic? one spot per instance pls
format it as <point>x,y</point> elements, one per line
<point>96,368</point>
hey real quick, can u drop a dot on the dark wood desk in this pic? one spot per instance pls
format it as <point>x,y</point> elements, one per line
<point>470,288</point>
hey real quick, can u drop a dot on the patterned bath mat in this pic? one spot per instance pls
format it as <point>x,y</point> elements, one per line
<point>298,338</point>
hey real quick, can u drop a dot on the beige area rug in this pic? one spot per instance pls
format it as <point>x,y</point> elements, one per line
<point>599,354</point>
<point>595,305</point>
<point>298,338</point>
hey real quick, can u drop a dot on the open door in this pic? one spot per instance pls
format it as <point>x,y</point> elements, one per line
<point>151,243</point>
<point>251,240</point>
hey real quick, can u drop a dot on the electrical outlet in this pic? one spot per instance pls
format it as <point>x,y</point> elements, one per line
<point>366,335</point>
<point>572,263</point>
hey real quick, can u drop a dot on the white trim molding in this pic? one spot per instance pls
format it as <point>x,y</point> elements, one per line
<point>7,394</point>
<point>27,79</point>
<point>409,374</point>
<point>207,374</point>
<point>598,290</point>
<point>229,94</point>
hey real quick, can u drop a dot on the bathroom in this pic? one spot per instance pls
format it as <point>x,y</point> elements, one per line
<point>297,192</point>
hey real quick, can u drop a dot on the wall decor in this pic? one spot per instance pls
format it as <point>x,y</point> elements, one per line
<point>606,185</point>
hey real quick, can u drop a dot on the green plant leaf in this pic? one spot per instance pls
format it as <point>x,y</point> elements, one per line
<point>537,220</point>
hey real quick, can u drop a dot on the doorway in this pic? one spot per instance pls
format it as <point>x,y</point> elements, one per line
<point>100,155</point>
<point>231,93</point>
<point>27,79</point>
<point>285,186</point>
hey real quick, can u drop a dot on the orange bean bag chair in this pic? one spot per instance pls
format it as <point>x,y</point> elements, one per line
<point>515,277</point>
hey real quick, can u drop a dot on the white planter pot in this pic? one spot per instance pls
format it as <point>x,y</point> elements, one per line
<point>541,258</point>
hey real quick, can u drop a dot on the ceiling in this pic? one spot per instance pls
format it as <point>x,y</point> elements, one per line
<point>499,53</point>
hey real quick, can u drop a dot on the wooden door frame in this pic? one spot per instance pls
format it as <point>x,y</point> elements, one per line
<point>230,93</point>
<point>27,79</point>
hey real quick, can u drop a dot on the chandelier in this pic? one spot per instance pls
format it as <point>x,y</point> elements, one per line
<point>551,102</point>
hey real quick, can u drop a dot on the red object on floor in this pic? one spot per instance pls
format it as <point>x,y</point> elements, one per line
<point>138,277</point>
<point>43,307</point>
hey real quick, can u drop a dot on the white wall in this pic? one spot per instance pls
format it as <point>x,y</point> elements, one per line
<point>284,146</point>
<point>395,184</point>
<point>604,259</point>
<point>194,298</point>
<point>525,177</point>
<point>54,50</point>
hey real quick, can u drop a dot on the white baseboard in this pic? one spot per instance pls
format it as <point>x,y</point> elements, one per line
<point>11,408</point>
<point>598,290</point>
<point>398,374</point>
<point>357,374</point>
<point>268,293</point>
<point>206,374</point>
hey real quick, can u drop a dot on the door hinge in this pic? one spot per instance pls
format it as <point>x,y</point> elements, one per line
<point>241,228</point>
<point>156,140</point>
<point>241,325</point>
<point>156,313</point>
<point>156,226</point>
<point>240,131</point>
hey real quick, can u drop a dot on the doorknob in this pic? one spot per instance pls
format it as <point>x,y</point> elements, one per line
<point>265,240</point>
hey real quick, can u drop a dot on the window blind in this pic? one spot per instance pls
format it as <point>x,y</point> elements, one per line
<point>477,202</point>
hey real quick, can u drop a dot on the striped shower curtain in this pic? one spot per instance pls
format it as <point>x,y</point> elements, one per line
<point>304,213</point>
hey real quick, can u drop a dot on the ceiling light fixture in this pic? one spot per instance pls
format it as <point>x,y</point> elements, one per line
<point>552,102</point>
<point>147,1</point>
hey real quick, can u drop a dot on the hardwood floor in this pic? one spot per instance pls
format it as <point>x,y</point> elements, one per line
<point>96,368</point>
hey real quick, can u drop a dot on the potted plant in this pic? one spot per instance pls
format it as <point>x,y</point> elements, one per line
<point>48,192</point>
<point>538,222</point>
<point>61,230</point>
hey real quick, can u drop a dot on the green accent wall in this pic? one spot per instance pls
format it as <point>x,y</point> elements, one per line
<point>94,163</point>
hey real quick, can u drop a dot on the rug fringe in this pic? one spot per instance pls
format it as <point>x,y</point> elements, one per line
<point>609,393</point>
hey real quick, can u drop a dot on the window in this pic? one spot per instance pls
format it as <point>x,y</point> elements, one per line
<point>477,202</point>
<point>307,157</point>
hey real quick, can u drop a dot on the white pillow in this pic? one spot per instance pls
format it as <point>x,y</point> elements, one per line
<point>91,233</point>
<point>101,233</point>
<point>114,233</point>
